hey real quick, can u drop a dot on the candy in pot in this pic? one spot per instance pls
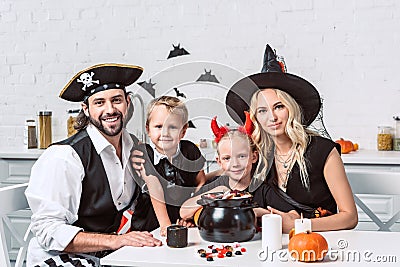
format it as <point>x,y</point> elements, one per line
<point>226,220</point>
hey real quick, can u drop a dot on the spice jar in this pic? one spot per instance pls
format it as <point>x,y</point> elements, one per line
<point>30,139</point>
<point>71,121</point>
<point>396,138</point>
<point>44,128</point>
<point>385,138</point>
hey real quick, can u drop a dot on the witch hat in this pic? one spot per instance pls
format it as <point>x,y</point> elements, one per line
<point>306,95</point>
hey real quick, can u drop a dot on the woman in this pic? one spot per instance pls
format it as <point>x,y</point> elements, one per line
<point>307,170</point>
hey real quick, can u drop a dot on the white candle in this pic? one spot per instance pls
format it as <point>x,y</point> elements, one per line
<point>271,232</point>
<point>302,225</point>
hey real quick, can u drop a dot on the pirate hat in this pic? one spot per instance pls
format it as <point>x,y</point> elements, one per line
<point>99,78</point>
<point>272,76</point>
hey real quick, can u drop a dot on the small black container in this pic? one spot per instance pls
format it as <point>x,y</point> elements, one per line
<point>227,220</point>
<point>177,236</point>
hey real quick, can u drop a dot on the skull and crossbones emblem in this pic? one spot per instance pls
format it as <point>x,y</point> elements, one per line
<point>87,80</point>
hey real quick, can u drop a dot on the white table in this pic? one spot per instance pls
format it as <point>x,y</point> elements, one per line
<point>347,248</point>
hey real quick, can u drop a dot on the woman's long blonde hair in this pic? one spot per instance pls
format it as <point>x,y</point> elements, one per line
<point>297,133</point>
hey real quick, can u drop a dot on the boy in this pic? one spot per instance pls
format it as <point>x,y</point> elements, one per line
<point>178,165</point>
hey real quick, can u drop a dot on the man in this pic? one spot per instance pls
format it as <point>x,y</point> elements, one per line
<point>82,189</point>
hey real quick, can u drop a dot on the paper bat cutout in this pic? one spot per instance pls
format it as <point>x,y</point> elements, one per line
<point>207,77</point>
<point>191,125</point>
<point>177,52</point>
<point>148,86</point>
<point>179,93</point>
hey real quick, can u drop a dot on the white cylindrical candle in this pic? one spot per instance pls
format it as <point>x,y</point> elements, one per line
<point>271,232</point>
<point>302,225</point>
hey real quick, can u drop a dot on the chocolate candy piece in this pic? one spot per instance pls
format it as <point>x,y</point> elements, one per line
<point>200,251</point>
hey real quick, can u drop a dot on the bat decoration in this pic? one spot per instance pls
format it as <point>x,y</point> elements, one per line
<point>148,86</point>
<point>178,51</point>
<point>207,77</point>
<point>191,125</point>
<point>179,93</point>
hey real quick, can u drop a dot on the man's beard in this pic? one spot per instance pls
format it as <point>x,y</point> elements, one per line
<point>108,131</point>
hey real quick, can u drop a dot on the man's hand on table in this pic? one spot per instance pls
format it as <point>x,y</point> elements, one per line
<point>137,239</point>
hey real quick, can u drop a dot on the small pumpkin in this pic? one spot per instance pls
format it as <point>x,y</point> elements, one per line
<point>346,146</point>
<point>197,215</point>
<point>308,247</point>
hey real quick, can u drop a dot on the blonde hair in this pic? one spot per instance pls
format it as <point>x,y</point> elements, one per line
<point>232,133</point>
<point>297,133</point>
<point>173,104</point>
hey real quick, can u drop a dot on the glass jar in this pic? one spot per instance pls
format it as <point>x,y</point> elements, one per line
<point>30,139</point>
<point>385,138</point>
<point>44,129</point>
<point>396,138</point>
<point>71,121</point>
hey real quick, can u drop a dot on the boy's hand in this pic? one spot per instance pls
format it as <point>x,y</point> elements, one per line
<point>137,160</point>
<point>187,223</point>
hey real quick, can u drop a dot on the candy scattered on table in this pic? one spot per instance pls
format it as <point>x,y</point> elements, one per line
<point>221,251</point>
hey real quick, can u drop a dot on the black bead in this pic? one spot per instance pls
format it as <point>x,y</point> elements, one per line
<point>203,255</point>
<point>210,259</point>
<point>238,252</point>
<point>229,254</point>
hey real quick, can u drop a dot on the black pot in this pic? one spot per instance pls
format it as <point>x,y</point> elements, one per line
<point>226,220</point>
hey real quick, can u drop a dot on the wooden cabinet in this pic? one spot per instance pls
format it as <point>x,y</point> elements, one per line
<point>15,168</point>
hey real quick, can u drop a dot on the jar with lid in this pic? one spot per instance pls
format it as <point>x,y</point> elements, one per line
<point>396,138</point>
<point>30,139</point>
<point>385,138</point>
<point>71,121</point>
<point>44,128</point>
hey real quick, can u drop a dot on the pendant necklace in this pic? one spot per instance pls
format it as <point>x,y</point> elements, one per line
<point>285,162</point>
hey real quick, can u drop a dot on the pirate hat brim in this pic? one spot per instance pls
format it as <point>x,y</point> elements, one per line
<point>305,94</point>
<point>103,76</point>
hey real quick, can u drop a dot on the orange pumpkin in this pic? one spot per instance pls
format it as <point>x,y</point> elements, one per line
<point>197,215</point>
<point>346,146</point>
<point>308,247</point>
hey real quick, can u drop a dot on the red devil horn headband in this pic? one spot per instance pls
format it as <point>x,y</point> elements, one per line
<point>248,126</point>
<point>219,132</point>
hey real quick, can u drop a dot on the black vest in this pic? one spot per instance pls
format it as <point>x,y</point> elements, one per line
<point>97,212</point>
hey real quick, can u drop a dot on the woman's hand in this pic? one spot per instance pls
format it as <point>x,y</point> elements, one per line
<point>287,218</point>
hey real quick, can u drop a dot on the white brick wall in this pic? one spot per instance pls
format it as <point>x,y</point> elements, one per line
<point>349,49</point>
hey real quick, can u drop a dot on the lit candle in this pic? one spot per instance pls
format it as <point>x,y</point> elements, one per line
<point>271,232</point>
<point>302,225</point>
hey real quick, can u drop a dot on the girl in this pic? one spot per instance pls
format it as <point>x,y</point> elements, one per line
<point>237,155</point>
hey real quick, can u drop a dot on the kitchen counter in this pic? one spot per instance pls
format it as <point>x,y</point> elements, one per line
<point>372,157</point>
<point>22,153</point>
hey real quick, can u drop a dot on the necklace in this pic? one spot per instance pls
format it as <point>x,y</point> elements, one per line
<point>284,178</point>
<point>285,162</point>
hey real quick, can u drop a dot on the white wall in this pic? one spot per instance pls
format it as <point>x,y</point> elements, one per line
<point>349,49</point>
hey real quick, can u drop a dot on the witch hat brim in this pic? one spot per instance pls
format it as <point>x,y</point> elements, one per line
<point>306,95</point>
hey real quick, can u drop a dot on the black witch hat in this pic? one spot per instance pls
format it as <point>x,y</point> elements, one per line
<point>306,95</point>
